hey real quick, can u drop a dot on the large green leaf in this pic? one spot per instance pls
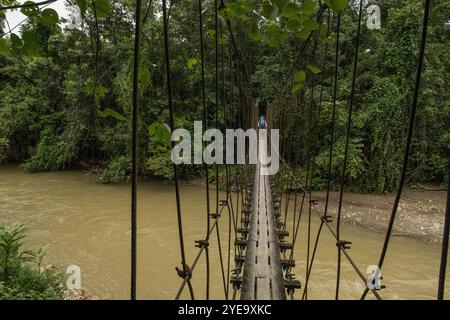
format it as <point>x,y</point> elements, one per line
<point>31,10</point>
<point>300,76</point>
<point>304,33</point>
<point>254,32</point>
<point>102,8</point>
<point>49,17</point>
<point>280,3</point>
<point>267,9</point>
<point>144,77</point>
<point>291,9</point>
<point>311,25</point>
<point>273,30</point>
<point>308,7</point>
<point>82,4</point>
<point>159,132</point>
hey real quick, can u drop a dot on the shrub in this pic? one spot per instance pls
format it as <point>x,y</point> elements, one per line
<point>21,275</point>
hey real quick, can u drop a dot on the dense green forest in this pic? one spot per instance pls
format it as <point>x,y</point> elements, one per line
<point>65,94</point>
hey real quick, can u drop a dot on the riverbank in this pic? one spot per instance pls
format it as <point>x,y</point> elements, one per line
<point>420,213</point>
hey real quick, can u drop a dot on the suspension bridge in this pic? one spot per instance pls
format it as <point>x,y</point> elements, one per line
<point>257,228</point>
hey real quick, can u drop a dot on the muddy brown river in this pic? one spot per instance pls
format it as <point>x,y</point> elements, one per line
<point>87,224</point>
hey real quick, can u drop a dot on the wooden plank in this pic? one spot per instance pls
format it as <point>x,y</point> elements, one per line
<point>263,275</point>
<point>262,264</point>
<point>248,285</point>
<point>278,292</point>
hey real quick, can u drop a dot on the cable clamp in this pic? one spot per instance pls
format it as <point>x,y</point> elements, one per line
<point>314,202</point>
<point>326,219</point>
<point>291,284</point>
<point>184,272</point>
<point>201,244</point>
<point>343,244</point>
<point>214,215</point>
<point>223,202</point>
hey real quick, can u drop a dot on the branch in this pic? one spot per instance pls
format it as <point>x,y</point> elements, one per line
<point>27,5</point>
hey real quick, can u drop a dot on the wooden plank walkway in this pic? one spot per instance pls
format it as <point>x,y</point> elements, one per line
<point>263,276</point>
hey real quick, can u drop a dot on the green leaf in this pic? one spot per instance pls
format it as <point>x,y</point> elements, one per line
<point>267,9</point>
<point>102,8</point>
<point>314,69</point>
<point>303,34</point>
<point>291,9</point>
<point>337,5</point>
<point>159,132</point>
<point>49,17</point>
<point>192,62</point>
<point>273,29</point>
<point>311,25</point>
<point>308,7</point>
<point>16,42</point>
<point>144,77</point>
<point>300,76</point>
<point>297,87</point>
<point>254,32</point>
<point>280,3</point>
<point>29,11</point>
<point>82,5</point>
<point>108,112</point>
<point>100,91</point>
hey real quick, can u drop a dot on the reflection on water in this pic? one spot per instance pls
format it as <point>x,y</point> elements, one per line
<point>88,224</point>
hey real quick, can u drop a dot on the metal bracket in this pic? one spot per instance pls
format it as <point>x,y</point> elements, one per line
<point>214,215</point>
<point>184,272</point>
<point>343,244</point>
<point>201,244</point>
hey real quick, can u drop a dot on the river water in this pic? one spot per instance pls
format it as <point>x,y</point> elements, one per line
<point>87,224</point>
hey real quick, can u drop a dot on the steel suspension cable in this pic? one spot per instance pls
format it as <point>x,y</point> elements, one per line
<point>216,43</point>
<point>185,272</point>
<point>412,118</point>
<point>347,142</point>
<point>134,148</point>
<point>333,117</point>
<point>205,125</point>
<point>325,59</point>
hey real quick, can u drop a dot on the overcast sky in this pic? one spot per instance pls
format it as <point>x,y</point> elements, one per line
<point>15,17</point>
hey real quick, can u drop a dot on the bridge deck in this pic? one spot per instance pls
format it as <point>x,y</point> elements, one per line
<point>263,277</point>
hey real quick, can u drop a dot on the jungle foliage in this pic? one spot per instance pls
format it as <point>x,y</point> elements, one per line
<point>22,276</point>
<point>65,94</point>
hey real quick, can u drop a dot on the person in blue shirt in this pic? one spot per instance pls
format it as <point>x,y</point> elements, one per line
<point>262,123</point>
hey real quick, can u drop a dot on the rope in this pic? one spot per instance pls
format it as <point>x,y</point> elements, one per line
<point>216,20</point>
<point>333,117</point>
<point>347,142</point>
<point>186,273</point>
<point>444,253</point>
<point>205,124</point>
<point>325,59</point>
<point>409,135</point>
<point>134,149</point>
<point>332,232</point>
